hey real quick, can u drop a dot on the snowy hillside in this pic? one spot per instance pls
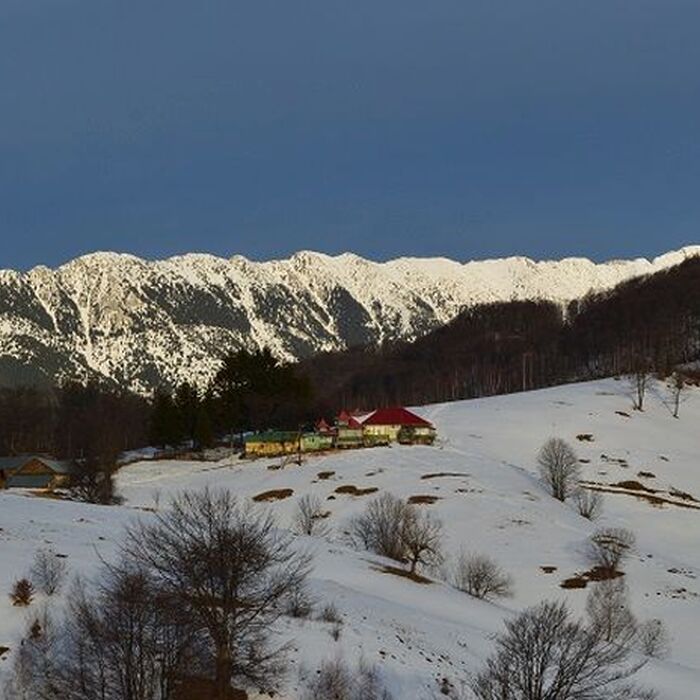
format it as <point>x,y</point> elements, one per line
<point>140,322</point>
<point>484,479</point>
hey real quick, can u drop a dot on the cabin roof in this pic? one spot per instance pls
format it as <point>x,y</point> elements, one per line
<point>273,436</point>
<point>396,416</point>
<point>58,466</point>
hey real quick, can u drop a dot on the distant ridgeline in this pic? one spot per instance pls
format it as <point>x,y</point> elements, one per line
<point>650,322</point>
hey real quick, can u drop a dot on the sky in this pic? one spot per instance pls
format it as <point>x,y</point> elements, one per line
<point>463,128</point>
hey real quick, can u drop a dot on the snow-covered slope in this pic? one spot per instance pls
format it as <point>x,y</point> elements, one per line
<point>141,322</point>
<point>483,473</point>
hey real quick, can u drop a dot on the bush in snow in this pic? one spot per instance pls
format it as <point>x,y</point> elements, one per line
<point>329,613</point>
<point>652,639</point>
<point>309,516</point>
<point>559,467</point>
<point>610,546</point>
<point>336,680</point>
<point>480,576</point>
<point>298,602</point>
<point>393,528</point>
<point>589,503</point>
<point>48,571</point>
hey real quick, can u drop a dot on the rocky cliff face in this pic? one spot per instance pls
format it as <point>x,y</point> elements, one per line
<point>142,323</point>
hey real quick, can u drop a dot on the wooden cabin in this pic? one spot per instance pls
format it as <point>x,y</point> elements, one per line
<point>398,425</point>
<point>35,472</point>
<point>316,442</point>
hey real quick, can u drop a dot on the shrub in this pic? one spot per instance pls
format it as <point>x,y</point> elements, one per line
<point>398,530</point>
<point>22,592</point>
<point>380,527</point>
<point>652,639</point>
<point>309,517</point>
<point>48,571</point>
<point>610,546</point>
<point>559,467</point>
<point>481,577</point>
<point>336,680</point>
<point>589,503</point>
<point>329,613</point>
<point>298,603</point>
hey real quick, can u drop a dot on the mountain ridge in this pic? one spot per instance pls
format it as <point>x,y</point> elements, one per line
<point>141,323</point>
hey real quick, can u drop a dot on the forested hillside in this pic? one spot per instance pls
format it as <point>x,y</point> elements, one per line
<point>647,324</point>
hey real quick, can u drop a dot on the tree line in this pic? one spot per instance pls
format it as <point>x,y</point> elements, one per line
<point>252,390</point>
<point>73,421</point>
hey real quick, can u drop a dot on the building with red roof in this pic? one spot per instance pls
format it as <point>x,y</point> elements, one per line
<point>398,424</point>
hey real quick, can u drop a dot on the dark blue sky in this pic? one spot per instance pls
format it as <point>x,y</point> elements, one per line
<point>466,128</point>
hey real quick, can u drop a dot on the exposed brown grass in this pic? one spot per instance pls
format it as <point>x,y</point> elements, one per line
<point>677,493</point>
<point>275,495</point>
<point>646,475</point>
<point>574,582</point>
<point>597,573</point>
<point>403,573</point>
<point>423,499</point>
<point>633,486</point>
<point>441,475</point>
<point>584,437</point>
<point>325,475</point>
<point>351,490</point>
<point>548,569</point>
<point>204,689</point>
<point>649,495</point>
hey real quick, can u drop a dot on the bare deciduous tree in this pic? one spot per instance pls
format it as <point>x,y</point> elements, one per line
<point>48,571</point>
<point>480,576</point>
<point>546,655</point>
<point>231,569</point>
<point>398,530</point>
<point>609,613</point>
<point>310,516</point>
<point>652,639</point>
<point>588,503</point>
<point>380,527</point>
<point>609,547</point>
<point>677,388</point>
<point>559,467</point>
<point>120,640</point>
<point>33,675</point>
<point>422,539</point>
<point>639,380</point>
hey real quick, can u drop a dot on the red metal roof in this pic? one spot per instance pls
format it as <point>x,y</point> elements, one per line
<point>396,416</point>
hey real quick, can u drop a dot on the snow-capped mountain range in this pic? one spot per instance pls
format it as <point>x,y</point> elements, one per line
<point>142,322</point>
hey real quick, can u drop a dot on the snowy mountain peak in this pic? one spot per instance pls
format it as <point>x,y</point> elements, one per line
<point>143,322</point>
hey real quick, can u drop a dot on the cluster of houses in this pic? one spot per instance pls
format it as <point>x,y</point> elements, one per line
<point>348,431</point>
<point>35,472</point>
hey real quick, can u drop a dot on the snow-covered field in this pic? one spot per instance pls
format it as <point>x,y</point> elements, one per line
<point>493,503</point>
